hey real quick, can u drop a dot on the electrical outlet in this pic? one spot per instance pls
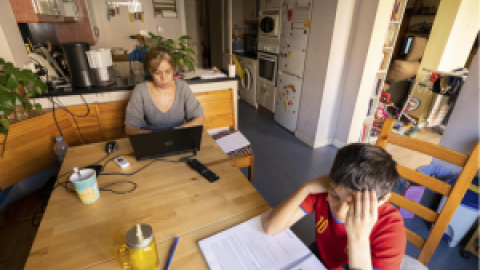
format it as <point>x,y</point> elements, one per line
<point>159,29</point>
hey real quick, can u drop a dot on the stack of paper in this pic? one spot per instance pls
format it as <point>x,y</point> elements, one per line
<point>247,247</point>
<point>233,142</point>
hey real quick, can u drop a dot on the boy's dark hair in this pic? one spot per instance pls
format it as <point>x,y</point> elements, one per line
<point>361,166</point>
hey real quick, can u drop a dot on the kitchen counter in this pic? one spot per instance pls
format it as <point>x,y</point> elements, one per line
<point>124,87</point>
<point>122,93</point>
<point>247,55</point>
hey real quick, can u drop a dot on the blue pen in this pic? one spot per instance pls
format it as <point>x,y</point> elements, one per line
<point>172,251</point>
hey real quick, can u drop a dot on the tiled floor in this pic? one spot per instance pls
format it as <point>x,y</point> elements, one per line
<point>283,163</point>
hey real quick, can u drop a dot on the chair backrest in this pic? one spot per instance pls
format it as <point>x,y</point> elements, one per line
<point>455,193</point>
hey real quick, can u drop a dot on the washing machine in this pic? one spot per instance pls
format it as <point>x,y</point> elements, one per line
<point>248,84</point>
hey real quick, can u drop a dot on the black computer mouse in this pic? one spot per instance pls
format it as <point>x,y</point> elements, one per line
<point>111,147</point>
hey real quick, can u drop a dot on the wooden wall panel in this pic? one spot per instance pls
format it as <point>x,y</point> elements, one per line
<point>30,142</point>
<point>112,119</point>
<point>88,125</point>
<point>30,147</point>
<point>218,109</point>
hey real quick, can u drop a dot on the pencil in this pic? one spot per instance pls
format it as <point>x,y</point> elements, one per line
<point>172,251</point>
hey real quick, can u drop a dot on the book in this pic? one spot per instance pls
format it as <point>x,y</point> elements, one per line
<point>376,86</point>
<point>393,11</point>
<point>247,247</point>
<point>232,142</point>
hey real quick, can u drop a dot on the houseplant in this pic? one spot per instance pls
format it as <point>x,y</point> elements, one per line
<point>180,52</point>
<point>16,87</point>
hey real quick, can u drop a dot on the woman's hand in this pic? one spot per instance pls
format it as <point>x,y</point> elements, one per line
<point>362,215</point>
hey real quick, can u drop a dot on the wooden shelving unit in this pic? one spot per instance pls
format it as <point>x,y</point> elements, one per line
<point>396,18</point>
<point>160,5</point>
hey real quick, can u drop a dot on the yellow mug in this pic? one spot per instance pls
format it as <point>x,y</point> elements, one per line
<point>140,250</point>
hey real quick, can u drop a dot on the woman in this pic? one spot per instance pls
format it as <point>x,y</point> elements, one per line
<point>163,103</point>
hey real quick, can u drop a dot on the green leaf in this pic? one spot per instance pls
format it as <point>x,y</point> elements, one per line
<point>3,130</point>
<point>12,83</point>
<point>38,107</point>
<point>184,37</point>
<point>2,61</point>
<point>4,89</point>
<point>17,99</point>
<point>29,74</point>
<point>5,123</point>
<point>8,65</point>
<point>27,106</point>
<point>190,50</point>
<point>37,90</point>
<point>30,94</point>
<point>6,100</point>
<point>40,85</point>
<point>3,79</point>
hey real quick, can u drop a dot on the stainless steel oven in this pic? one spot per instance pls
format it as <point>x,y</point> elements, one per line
<point>267,67</point>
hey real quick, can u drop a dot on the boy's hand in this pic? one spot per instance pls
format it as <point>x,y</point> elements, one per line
<point>362,216</point>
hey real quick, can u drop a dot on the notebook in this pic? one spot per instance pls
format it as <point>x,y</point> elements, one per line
<point>247,247</point>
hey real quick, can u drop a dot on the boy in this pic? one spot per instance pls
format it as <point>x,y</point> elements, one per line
<point>356,227</point>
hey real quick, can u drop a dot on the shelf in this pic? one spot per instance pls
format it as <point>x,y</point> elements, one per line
<point>432,14</point>
<point>382,71</point>
<point>418,33</point>
<point>395,22</point>
<point>388,48</point>
<point>368,120</point>
<point>120,57</point>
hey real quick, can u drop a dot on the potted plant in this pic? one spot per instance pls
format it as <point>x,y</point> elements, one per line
<point>16,87</point>
<point>180,52</point>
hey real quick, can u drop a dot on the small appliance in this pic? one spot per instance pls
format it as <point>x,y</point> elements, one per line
<point>270,23</point>
<point>77,62</point>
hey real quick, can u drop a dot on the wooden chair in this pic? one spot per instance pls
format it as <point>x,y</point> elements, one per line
<point>455,193</point>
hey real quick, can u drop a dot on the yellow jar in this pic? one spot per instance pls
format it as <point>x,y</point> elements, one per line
<point>140,250</point>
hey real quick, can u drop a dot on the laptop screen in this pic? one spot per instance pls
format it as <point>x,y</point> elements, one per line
<point>165,143</point>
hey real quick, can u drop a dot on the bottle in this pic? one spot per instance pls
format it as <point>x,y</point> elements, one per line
<point>60,148</point>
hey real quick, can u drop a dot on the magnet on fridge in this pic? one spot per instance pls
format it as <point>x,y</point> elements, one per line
<point>289,55</point>
<point>294,112</point>
<point>306,24</point>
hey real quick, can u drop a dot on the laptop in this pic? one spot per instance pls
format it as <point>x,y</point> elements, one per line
<point>166,143</point>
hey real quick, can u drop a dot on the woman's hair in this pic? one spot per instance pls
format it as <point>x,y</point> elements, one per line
<point>160,54</point>
<point>362,166</point>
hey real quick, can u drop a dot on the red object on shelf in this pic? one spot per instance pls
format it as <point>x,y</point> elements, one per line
<point>385,97</point>
<point>434,77</point>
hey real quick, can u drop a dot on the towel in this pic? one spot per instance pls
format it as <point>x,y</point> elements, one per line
<point>238,67</point>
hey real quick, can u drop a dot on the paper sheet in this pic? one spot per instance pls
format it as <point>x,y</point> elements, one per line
<point>232,142</point>
<point>247,247</point>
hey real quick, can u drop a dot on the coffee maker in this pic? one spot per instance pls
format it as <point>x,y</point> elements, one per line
<point>80,73</point>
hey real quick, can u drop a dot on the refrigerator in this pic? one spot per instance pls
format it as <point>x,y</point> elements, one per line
<point>293,46</point>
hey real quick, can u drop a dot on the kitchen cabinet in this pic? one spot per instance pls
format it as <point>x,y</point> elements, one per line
<point>83,29</point>
<point>250,10</point>
<point>266,95</point>
<point>38,11</point>
<point>270,4</point>
<point>71,11</point>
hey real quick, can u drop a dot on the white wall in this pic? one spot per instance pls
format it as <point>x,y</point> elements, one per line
<point>116,32</point>
<point>462,131</point>
<point>11,43</point>
<point>366,41</point>
<point>316,63</point>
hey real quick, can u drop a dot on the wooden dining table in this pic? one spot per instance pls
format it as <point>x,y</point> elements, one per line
<point>171,197</point>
